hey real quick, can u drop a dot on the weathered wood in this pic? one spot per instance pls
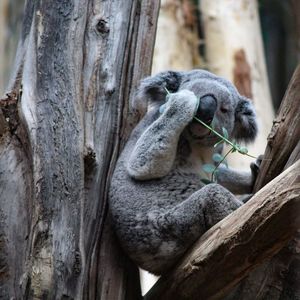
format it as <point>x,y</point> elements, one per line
<point>277,278</point>
<point>284,136</point>
<point>231,249</point>
<point>77,63</point>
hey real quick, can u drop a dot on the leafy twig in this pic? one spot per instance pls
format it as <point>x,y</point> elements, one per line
<point>235,146</point>
<point>208,168</point>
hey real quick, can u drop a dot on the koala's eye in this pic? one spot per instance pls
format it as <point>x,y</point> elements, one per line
<point>224,110</point>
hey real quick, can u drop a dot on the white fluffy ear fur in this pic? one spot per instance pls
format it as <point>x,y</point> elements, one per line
<point>153,90</point>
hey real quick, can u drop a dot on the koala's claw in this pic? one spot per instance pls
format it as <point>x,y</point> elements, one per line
<point>255,166</point>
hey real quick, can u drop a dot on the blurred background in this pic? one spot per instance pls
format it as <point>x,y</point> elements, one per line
<point>181,36</point>
<point>254,44</point>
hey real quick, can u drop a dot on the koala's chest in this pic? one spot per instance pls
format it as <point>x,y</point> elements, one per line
<point>192,165</point>
<point>172,189</point>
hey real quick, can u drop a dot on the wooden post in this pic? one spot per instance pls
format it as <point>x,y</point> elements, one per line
<point>64,120</point>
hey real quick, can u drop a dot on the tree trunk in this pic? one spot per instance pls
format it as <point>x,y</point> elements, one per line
<point>62,124</point>
<point>279,277</point>
<point>177,42</point>
<point>234,50</point>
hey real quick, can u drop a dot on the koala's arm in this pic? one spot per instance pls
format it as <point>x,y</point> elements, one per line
<point>238,182</point>
<point>154,152</point>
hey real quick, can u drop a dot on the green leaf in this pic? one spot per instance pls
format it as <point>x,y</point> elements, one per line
<point>214,175</point>
<point>217,157</point>
<point>206,181</point>
<point>216,171</point>
<point>225,133</point>
<point>243,150</point>
<point>212,124</point>
<point>218,143</point>
<point>208,168</point>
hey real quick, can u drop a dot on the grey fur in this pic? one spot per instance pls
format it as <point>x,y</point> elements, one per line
<point>157,201</point>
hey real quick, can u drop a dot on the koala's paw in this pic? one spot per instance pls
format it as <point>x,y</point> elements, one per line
<point>255,166</point>
<point>183,103</point>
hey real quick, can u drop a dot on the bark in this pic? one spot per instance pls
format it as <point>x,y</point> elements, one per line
<point>279,277</point>
<point>234,50</point>
<point>64,121</point>
<point>10,27</point>
<point>284,136</point>
<point>231,249</point>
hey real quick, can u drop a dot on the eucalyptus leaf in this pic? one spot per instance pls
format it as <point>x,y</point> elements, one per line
<point>212,125</point>
<point>243,150</point>
<point>208,168</point>
<point>217,157</point>
<point>216,171</point>
<point>225,133</point>
<point>206,181</point>
<point>218,143</point>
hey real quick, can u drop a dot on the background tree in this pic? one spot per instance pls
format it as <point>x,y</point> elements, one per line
<point>177,41</point>
<point>234,50</point>
<point>10,27</point>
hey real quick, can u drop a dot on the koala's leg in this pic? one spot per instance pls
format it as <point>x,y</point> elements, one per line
<point>200,211</point>
<point>154,152</point>
<point>182,225</point>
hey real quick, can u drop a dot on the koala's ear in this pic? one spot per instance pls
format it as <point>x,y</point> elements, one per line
<point>245,127</point>
<point>153,89</point>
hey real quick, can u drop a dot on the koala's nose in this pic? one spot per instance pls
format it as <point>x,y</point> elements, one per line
<point>206,109</point>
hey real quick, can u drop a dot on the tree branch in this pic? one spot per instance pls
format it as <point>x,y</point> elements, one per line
<point>284,135</point>
<point>232,248</point>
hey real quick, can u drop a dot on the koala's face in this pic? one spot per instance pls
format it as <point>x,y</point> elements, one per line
<point>220,104</point>
<point>216,108</point>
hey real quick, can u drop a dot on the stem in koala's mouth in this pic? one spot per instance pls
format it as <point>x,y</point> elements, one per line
<point>235,146</point>
<point>219,163</point>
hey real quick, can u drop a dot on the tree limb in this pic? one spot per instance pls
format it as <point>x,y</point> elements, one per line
<point>232,248</point>
<point>284,135</point>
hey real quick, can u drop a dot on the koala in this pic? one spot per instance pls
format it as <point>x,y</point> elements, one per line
<point>158,203</point>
